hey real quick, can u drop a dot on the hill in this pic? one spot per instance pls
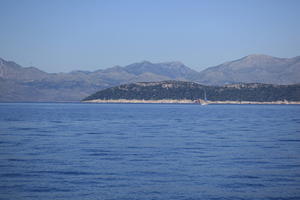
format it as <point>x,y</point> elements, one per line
<point>179,90</point>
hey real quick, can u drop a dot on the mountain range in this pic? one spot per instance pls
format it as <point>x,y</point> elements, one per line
<point>23,84</point>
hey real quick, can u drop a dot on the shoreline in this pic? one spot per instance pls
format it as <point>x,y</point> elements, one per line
<point>188,101</point>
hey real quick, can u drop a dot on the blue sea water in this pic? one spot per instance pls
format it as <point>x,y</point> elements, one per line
<point>149,151</point>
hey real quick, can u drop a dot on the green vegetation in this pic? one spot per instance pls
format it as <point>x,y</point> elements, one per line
<point>189,90</point>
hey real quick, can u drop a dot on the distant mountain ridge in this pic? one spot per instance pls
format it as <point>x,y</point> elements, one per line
<point>19,83</point>
<point>11,70</point>
<point>172,70</point>
<point>16,81</point>
<point>256,68</point>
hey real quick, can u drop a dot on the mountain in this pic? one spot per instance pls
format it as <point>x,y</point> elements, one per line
<point>11,70</point>
<point>171,70</point>
<point>19,83</point>
<point>30,84</point>
<point>254,68</point>
<point>182,90</point>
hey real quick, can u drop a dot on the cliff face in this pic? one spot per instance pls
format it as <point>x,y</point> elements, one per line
<point>180,90</point>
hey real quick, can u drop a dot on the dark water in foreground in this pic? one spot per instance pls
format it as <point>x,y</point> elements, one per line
<point>149,151</point>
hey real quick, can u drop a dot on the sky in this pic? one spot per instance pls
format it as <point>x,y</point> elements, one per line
<point>66,35</point>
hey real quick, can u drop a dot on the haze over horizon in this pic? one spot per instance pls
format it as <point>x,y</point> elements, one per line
<point>61,36</point>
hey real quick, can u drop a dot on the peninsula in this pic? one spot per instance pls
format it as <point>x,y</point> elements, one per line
<point>190,92</point>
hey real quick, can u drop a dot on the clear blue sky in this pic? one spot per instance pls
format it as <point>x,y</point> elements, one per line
<point>62,35</point>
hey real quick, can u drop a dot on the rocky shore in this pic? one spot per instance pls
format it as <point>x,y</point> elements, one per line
<point>139,101</point>
<point>185,101</point>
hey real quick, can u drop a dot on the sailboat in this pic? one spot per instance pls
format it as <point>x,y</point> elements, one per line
<point>204,102</point>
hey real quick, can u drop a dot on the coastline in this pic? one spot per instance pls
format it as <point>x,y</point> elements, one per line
<point>188,101</point>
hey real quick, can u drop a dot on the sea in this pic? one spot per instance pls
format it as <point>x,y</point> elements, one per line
<point>82,151</point>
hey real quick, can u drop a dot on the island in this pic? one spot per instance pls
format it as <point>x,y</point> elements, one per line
<point>191,92</point>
